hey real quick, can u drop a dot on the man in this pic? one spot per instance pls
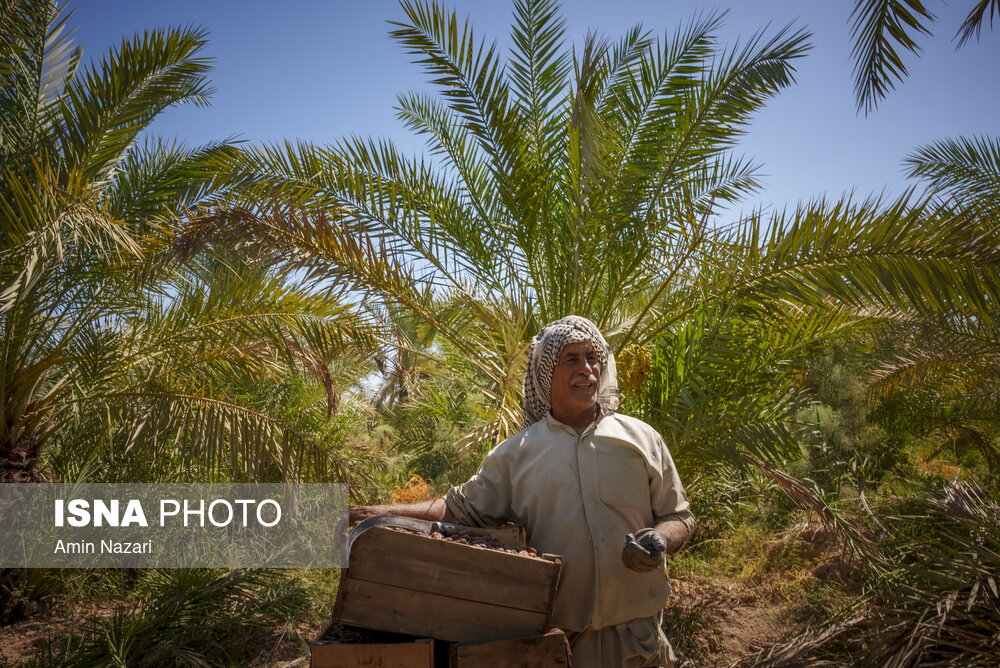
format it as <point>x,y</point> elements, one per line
<point>594,486</point>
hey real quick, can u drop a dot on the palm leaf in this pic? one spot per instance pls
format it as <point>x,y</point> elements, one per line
<point>972,26</point>
<point>879,29</point>
<point>964,169</point>
<point>470,74</point>
<point>162,177</point>
<point>37,58</point>
<point>538,69</point>
<point>108,104</point>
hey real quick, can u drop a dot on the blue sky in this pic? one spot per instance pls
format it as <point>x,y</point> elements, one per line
<point>320,70</point>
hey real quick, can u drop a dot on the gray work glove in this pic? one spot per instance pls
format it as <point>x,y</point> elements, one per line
<point>644,550</point>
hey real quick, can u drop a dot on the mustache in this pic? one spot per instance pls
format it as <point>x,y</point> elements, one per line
<point>582,378</point>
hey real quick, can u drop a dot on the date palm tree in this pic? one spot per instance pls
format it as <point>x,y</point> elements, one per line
<point>939,601</point>
<point>559,181</point>
<point>591,181</point>
<point>953,362</point>
<point>109,345</point>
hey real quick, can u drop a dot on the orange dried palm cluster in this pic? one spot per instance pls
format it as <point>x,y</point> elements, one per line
<point>415,489</point>
<point>938,467</point>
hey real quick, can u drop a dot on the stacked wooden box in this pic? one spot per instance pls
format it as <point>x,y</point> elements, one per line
<point>345,646</point>
<point>542,651</point>
<point>455,603</point>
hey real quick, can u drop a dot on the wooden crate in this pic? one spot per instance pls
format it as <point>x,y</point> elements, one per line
<point>545,651</point>
<point>416,654</point>
<point>434,588</point>
<point>397,653</point>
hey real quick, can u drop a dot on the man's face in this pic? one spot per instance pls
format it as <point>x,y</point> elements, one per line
<point>575,379</point>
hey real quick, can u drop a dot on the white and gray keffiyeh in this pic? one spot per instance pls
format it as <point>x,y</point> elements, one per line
<point>544,355</point>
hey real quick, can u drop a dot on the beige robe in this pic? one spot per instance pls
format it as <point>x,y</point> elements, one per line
<point>577,495</point>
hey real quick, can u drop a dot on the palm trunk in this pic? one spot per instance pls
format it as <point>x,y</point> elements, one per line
<point>18,464</point>
<point>19,460</point>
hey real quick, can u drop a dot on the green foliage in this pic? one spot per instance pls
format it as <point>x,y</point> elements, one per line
<point>749,552</point>
<point>172,313</point>
<point>186,618</point>
<point>848,446</point>
<point>432,426</point>
<point>727,498</point>
<point>587,180</point>
<point>963,169</point>
<point>939,605</point>
<point>559,181</point>
<point>877,25</point>
<point>126,350</point>
<point>940,388</point>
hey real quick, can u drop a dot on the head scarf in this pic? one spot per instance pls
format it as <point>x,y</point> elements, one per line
<point>544,355</point>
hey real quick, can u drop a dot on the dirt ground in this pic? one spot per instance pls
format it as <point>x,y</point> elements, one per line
<point>279,648</point>
<point>715,622</point>
<point>19,641</point>
<point>711,622</point>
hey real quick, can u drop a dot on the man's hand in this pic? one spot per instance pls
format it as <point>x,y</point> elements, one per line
<point>644,550</point>
<point>356,514</point>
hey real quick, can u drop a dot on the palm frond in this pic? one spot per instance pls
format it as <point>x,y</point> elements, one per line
<point>187,617</point>
<point>903,255</point>
<point>37,58</point>
<point>449,138</point>
<point>650,100</point>
<point>538,68</point>
<point>161,177</point>
<point>972,26</point>
<point>108,104</point>
<point>716,113</point>
<point>879,28</point>
<point>940,606</point>
<point>963,169</point>
<point>471,76</point>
